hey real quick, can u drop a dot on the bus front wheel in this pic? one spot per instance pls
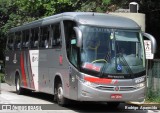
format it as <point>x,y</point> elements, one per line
<point>61,100</point>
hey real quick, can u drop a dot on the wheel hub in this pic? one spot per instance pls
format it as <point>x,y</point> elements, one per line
<point>18,85</point>
<point>60,92</point>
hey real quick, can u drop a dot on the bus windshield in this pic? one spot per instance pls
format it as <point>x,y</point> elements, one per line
<point>111,51</point>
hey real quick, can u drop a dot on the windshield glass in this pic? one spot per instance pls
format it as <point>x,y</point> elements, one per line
<point>111,51</point>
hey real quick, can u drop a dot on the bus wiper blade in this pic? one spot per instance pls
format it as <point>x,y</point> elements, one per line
<point>125,63</point>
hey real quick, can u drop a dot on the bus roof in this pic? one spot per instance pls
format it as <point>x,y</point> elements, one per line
<point>85,18</point>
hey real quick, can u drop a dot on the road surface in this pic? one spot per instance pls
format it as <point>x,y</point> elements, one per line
<point>35,102</point>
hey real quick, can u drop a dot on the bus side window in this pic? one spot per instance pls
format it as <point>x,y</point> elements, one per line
<point>18,42</point>
<point>25,39</point>
<point>44,37</point>
<point>10,42</point>
<point>70,37</point>
<point>56,33</point>
<point>34,38</point>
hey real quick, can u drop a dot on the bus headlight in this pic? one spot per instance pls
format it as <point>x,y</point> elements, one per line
<point>87,82</point>
<point>90,84</point>
<point>140,85</point>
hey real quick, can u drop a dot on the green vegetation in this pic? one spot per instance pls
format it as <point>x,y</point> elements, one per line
<point>153,96</point>
<point>154,99</point>
<point>2,78</point>
<point>1,71</point>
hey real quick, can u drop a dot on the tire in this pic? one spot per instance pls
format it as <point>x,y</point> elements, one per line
<point>19,89</point>
<point>61,100</point>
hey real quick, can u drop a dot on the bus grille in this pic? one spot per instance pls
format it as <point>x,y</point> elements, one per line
<point>121,88</point>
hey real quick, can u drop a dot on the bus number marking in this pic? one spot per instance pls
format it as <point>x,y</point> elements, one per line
<point>138,80</point>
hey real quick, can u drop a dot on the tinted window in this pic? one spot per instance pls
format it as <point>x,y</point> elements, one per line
<point>25,39</point>
<point>44,37</point>
<point>10,42</point>
<point>18,42</point>
<point>70,37</point>
<point>56,35</point>
<point>34,41</point>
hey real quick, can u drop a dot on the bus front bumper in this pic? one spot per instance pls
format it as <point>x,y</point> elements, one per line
<point>88,93</point>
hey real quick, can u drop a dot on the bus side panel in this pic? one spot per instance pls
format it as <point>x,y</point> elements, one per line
<point>10,67</point>
<point>46,62</point>
<point>43,70</point>
<point>32,67</point>
<point>43,79</point>
<point>18,63</point>
<point>68,76</point>
<point>73,82</point>
<point>51,66</point>
<point>63,74</point>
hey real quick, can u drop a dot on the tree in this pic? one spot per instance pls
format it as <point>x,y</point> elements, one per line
<point>92,5</point>
<point>152,10</point>
<point>7,8</point>
<point>17,12</point>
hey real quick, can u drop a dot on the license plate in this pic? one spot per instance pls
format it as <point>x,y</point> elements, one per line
<point>116,96</point>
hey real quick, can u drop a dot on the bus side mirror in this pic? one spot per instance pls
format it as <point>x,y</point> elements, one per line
<point>78,36</point>
<point>153,42</point>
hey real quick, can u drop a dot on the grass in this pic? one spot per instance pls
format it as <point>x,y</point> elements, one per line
<point>153,100</point>
<point>153,96</point>
<point>1,78</point>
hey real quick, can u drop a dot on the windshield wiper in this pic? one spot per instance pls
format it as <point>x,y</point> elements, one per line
<point>125,63</point>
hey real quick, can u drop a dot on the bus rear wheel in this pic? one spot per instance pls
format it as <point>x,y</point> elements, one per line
<point>61,100</point>
<point>19,89</point>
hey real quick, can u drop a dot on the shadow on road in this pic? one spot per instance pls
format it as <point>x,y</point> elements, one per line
<point>96,107</point>
<point>38,95</point>
<point>82,107</point>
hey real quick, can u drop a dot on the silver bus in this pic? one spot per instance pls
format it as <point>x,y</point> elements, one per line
<point>83,56</point>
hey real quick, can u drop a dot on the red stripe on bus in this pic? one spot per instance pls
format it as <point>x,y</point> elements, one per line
<point>98,80</point>
<point>23,71</point>
<point>32,82</point>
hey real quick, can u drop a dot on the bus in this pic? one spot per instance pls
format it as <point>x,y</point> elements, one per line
<point>82,56</point>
